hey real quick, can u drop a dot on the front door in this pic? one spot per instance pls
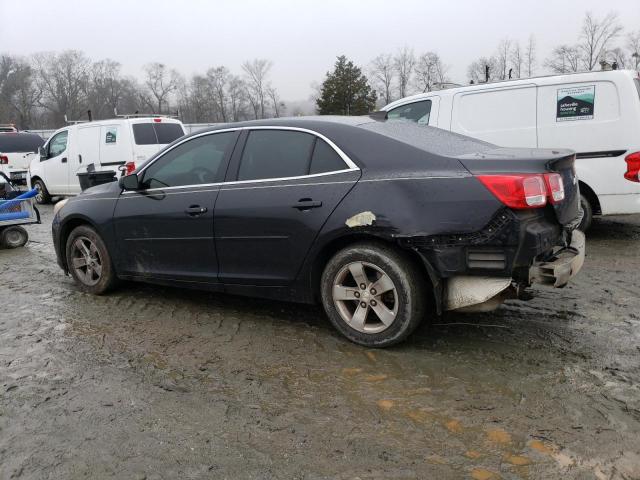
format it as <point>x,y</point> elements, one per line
<point>287,184</point>
<point>56,164</point>
<point>165,229</point>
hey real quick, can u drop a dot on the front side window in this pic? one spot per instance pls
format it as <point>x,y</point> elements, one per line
<point>275,154</point>
<point>58,144</point>
<point>156,133</point>
<point>416,112</point>
<point>194,162</point>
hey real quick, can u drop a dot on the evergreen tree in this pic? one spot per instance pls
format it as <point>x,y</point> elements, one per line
<point>346,91</point>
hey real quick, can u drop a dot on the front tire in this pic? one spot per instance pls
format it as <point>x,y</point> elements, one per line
<point>373,294</point>
<point>89,262</point>
<point>13,237</point>
<point>42,197</point>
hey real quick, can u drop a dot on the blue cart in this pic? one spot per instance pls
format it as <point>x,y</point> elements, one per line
<point>15,212</point>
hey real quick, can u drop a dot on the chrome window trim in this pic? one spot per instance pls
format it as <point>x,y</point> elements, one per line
<point>351,166</point>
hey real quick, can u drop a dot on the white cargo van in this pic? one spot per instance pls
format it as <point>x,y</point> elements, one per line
<point>597,114</point>
<point>105,144</point>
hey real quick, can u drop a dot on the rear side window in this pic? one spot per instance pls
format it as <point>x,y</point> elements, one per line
<point>156,133</point>
<point>418,112</point>
<point>275,154</point>
<point>325,159</point>
<point>20,142</point>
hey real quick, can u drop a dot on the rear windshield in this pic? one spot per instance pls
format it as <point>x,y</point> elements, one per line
<point>156,133</point>
<point>20,142</point>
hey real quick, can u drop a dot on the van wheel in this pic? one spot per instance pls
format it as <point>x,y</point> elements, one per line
<point>587,215</point>
<point>13,237</point>
<point>373,294</point>
<point>89,262</point>
<point>42,197</point>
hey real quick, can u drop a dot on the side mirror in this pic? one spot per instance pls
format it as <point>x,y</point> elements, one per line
<point>43,153</point>
<point>130,182</point>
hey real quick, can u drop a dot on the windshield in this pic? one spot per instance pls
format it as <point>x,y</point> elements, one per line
<point>20,142</point>
<point>156,133</point>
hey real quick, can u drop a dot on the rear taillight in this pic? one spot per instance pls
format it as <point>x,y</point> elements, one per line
<point>517,191</point>
<point>555,185</point>
<point>130,167</point>
<point>633,167</point>
<point>4,160</point>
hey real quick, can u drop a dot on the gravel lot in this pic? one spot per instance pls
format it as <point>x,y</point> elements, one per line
<point>161,383</point>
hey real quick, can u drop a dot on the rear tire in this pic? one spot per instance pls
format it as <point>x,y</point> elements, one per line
<point>13,237</point>
<point>392,303</point>
<point>42,196</point>
<point>587,216</point>
<point>89,262</point>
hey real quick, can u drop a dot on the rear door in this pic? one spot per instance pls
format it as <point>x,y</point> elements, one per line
<point>285,184</point>
<point>165,229</point>
<point>151,136</point>
<point>115,149</point>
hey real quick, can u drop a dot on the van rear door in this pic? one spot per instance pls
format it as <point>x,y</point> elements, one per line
<point>149,137</point>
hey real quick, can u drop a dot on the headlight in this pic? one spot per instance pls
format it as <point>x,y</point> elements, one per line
<point>58,206</point>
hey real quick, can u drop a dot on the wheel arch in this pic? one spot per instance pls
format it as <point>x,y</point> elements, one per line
<point>590,195</point>
<point>335,245</point>
<point>65,230</point>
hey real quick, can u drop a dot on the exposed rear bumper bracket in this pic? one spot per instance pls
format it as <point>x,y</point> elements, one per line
<point>564,264</point>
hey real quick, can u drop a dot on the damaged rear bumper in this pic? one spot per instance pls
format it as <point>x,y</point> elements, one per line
<point>480,294</point>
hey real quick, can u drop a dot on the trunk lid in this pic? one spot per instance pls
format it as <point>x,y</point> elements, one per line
<point>532,160</point>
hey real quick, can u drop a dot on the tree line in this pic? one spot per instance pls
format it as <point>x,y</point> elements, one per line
<point>39,91</point>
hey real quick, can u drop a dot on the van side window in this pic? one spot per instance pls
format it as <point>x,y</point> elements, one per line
<point>156,133</point>
<point>194,162</point>
<point>416,112</point>
<point>58,144</point>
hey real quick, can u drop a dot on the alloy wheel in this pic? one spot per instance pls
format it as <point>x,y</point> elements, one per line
<point>86,261</point>
<point>366,297</point>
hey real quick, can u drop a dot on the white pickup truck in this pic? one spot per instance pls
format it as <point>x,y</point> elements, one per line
<point>16,152</point>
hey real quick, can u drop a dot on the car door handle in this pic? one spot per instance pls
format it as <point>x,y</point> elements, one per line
<point>79,158</point>
<point>195,210</point>
<point>64,160</point>
<point>306,204</point>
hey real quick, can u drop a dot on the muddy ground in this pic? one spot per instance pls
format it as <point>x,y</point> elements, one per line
<point>161,383</point>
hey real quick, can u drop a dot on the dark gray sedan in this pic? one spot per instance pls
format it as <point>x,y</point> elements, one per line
<point>384,223</point>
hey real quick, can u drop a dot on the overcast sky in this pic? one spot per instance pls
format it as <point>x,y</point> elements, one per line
<point>302,38</point>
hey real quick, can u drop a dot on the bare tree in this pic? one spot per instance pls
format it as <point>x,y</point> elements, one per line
<point>237,98</point>
<point>633,48</point>
<point>403,63</point>
<point>218,79</point>
<point>256,72</point>
<point>277,103</point>
<point>478,69</point>
<point>429,70</point>
<point>19,95</point>
<point>502,59</point>
<point>618,57</point>
<point>530,56</point>
<point>161,83</point>
<point>106,88</point>
<point>383,73</point>
<point>564,59</point>
<point>63,80</point>
<point>517,60</point>
<point>595,36</point>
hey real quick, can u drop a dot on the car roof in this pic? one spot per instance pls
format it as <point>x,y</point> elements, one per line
<point>376,145</point>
